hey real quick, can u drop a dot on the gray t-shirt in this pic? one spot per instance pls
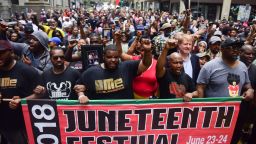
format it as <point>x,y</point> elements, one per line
<point>221,80</point>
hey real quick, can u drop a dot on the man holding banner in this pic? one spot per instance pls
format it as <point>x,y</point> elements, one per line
<point>247,55</point>
<point>228,79</point>
<point>173,82</point>
<point>111,79</point>
<point>59,80</point>
<point>17,80</point>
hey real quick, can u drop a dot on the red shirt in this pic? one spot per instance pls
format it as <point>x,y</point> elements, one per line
<point>146,84</point>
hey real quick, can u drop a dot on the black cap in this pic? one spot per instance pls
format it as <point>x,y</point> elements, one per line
<point>232,42</point>
<point>28,28</point>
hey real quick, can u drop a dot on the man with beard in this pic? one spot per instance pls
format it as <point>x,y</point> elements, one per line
<point>52,29</point>
<point>111,79</point>
<point>160,40</point>
<point>247,55</point>
<point>59,80</point>
<point>17,80</point>
<point>37,55</point>
<point>173,81</point>
<point>226,77</point>
<point>214,47</point>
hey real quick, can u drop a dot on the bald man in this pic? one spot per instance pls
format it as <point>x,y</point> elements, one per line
<point>247,56</point>
<point>173,81</point>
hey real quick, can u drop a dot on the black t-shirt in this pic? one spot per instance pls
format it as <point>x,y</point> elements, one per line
<point>60,86</point>
<point>106,84</point>
<point>19,81</point>
<point>172,86</point>
<point>252,75</point>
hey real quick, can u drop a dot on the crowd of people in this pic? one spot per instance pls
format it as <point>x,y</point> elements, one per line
<point>147,55</point>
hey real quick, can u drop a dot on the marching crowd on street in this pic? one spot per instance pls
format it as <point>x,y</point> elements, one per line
<point>135,55</point>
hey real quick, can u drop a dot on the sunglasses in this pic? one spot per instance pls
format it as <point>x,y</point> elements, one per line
<point>57,57</point>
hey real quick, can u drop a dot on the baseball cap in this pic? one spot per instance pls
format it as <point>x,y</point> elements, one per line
<point>28,28</point>
<point>56,40</point>
<point>214,39</point>
<point>5,45</point>
<point>116,19</point>
<point>232,42</point>
<point>217,33</point>
<point>166,25</point>
<point>67,24</point>
<point>203,54</point>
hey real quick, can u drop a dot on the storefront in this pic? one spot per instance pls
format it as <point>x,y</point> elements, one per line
<point>250,11</point>
<point>210,10</point>
<point>165,6</point>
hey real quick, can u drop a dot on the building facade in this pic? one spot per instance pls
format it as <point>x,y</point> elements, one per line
<point>8,7</point>
<point>210,9</point>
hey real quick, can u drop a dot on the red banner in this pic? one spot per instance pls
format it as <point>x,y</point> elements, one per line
<point>117,2</point>
<point>131,123</point>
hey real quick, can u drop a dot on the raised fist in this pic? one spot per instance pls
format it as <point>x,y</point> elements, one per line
<point>170,43</point>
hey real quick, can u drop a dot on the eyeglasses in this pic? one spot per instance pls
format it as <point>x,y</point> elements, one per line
<point>57,57</point>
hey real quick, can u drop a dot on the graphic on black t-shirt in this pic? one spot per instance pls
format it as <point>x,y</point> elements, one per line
<point>61,91</point>
<point>7,82</point>
<point>233,87</point>
<point>109,85</point>
<point>177,89</point>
